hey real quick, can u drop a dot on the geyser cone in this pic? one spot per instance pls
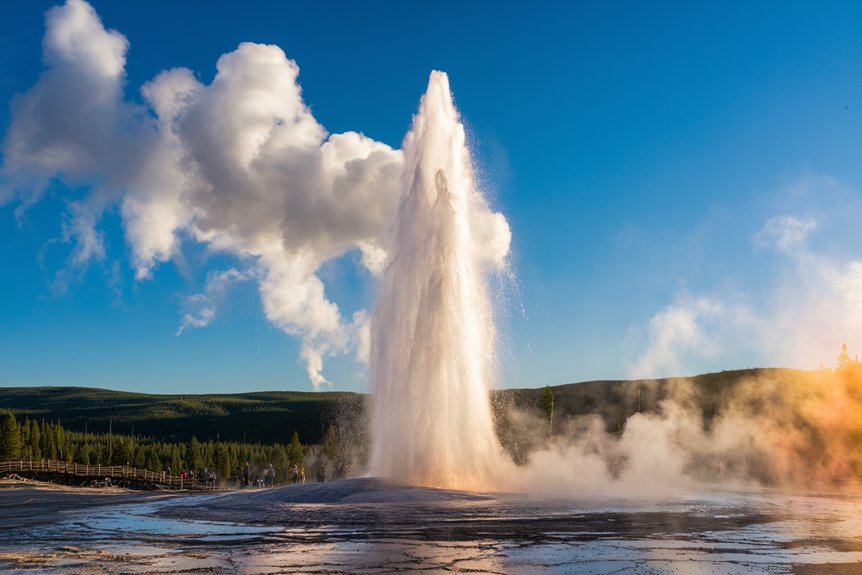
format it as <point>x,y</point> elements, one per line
<point>432,342</point>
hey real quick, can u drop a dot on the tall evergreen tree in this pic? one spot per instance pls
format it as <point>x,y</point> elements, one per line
<point>35,440</point>
<point>120,455</point>
<point>60,440</point>
<point>176,460</point>
<point>24,428</point>
<point>153,461</point>
<point>222,465</point>
<point>84,454</point>
<point>49,446</point>
<point>70,452</point>
<point>10,438</point>
<point>294,451</point>
<point>193,454</point>
<point>140,457</point>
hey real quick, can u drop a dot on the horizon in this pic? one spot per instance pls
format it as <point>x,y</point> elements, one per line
<point>365,392</point>
<point>682,185</point>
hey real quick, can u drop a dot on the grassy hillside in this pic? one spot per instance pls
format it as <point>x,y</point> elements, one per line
<point>272,416</point>
<point>619,399</point>
<point>267,417</point>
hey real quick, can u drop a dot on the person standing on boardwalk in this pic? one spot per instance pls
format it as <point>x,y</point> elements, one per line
<point>246,472</point>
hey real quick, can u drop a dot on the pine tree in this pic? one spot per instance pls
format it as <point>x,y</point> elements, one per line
<point>235,461</point>
<point>35,440</point>
<point>176,460</point>
<point>25,436</point>
<point>294,451</point>
<point>139,459</point>
<point>120,455</point>
<point>193,454</point>
<point>222,465</point>
<point>208,453</point>
<point>153,461</point>
<point>10,438</point>
<point>71,451</point>
<point>84,454</point>
<point>49,446</point>
<point>60,440</point>
<point>103,454</point>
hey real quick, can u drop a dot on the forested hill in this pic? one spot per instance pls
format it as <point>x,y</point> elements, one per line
<point>266,417</point>
<point>273,416</point>
<point>616,400</point>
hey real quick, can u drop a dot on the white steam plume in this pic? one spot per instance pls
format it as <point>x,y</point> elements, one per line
<point>818,302</point>
<point>813,307</point>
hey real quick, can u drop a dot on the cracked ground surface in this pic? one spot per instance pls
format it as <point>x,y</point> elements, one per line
<point>365,526</point>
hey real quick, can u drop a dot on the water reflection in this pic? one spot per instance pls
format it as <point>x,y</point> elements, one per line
<point>720,533</point>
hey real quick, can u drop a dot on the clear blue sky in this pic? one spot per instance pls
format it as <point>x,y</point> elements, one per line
<point>683,182</point>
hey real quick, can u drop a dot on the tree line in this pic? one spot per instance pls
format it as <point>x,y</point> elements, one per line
<point>35,440</point>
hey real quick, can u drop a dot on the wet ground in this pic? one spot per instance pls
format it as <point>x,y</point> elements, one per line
<point>365,526</point>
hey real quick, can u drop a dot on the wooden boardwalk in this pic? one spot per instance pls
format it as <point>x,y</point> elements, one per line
<point>99,475</point>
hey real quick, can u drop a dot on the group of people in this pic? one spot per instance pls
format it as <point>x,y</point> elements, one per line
<point>266,478</point>
<point>207,476</point>
<point>297,474</point>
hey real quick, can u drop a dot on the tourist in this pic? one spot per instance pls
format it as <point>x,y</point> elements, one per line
<point>269,476</point>
<point>246,472</point>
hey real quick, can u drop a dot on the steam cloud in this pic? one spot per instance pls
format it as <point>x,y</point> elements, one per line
<point>784,428</point>
<point>815,306</point>
<point>781,427</point>
<point>240,165</point>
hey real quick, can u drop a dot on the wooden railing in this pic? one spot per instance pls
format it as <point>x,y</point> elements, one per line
<point>100,472</point>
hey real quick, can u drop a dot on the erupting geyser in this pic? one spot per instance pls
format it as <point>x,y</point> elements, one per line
<point>432,334</point>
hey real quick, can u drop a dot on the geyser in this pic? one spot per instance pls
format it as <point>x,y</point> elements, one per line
<point>432,334</point>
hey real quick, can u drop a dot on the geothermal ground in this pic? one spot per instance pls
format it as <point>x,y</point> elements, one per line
<point>367,526</point>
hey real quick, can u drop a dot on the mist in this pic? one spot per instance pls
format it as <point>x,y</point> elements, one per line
<point>786,429</point>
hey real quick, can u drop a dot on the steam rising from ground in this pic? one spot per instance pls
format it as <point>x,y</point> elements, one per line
<point>786,428</point>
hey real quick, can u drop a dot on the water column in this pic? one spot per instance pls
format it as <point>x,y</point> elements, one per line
<point>432,334</point>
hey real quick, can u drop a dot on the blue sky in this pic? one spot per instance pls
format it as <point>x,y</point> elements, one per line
<point>682,183</point>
